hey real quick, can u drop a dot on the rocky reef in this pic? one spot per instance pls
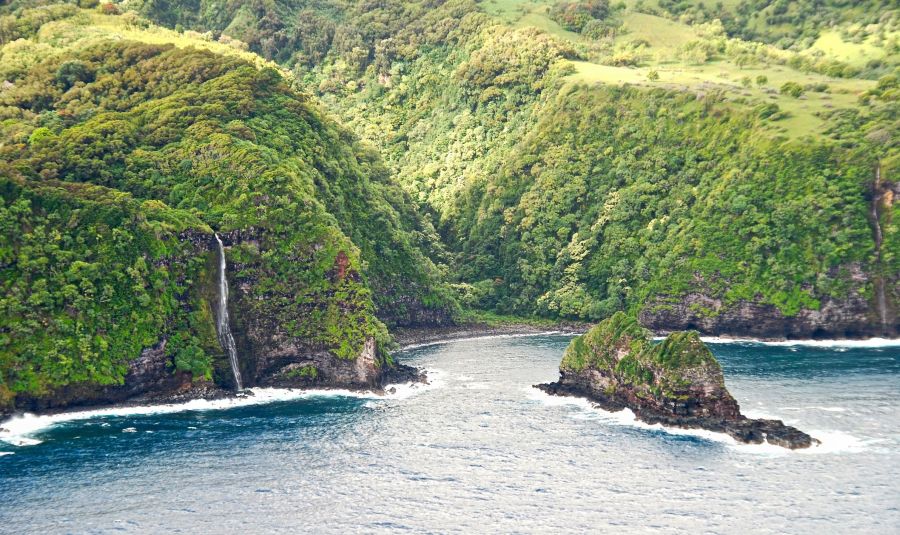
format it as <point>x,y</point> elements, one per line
<point>677,382</point>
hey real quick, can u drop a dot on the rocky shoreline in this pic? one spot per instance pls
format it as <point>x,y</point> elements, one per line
<point>160,386</point>
<point>740,428</point>
<point>398,374</point>
<point>676,383</point>
<point>150,380</point>
<point>408,338</point>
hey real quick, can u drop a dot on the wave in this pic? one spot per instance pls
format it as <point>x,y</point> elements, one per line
<point>625,417</point>
<point>20,430</point>
<point>436,379</point>
<point>816,408</point>
<point>842,344</point>
<point>831,441</point>
<point>867,343</point>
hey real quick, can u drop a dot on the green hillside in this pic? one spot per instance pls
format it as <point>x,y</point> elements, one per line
<point>582,158</point>
<point>566,160</point>
<point>120,156</point>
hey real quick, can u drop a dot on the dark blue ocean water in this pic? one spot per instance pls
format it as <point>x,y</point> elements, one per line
<point>479,451</point>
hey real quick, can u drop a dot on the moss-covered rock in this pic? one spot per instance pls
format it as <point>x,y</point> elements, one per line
<point>675,382</point>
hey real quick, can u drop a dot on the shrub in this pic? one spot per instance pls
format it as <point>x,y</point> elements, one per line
<point>574,16</point>
<point>817,87</point>
<point>109,9</point>
<point>764,111</point>
<point>72,72</point>
<point>792,89</point>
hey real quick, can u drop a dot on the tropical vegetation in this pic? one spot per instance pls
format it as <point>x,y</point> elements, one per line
<point>566,159</point>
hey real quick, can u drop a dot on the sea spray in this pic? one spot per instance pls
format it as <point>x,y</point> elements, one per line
<point>20,430</point>
<point>831,441</point>
<point>222,327</point>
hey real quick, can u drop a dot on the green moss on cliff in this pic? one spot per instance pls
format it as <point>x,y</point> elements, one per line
<point>682,350</point>
<point>113,149</point>
<point>620,347</point>
<point>304,371</point>
<point>89,278</point>
<point>606,343</point>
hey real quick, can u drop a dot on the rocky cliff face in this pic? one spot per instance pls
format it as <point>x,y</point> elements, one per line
<point>276,359</point>
<point>869,309</point>
<point>151,378</point>
<point>677,382</point>
<point>407,311</point>
<point>323,339</point>
<point>269,353</point>
<point>853,317</point>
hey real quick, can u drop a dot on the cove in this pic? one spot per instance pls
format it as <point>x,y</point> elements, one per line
<point>479,450</point>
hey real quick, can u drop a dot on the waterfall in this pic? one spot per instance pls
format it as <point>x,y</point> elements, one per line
<point>224,331</point>
<point>874,214</point>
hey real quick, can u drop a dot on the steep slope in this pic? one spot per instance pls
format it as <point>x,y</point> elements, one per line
<point>576,174</point>
<point>91,278</point>
<point>178,142</point>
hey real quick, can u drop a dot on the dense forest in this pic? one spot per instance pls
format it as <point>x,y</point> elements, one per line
<point>560,196</point>
<point>122,156</point>
<point>563,160</point>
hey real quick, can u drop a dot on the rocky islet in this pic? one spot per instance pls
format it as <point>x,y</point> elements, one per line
<point>676,382</point>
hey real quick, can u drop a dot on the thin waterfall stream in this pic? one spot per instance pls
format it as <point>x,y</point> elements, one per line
<point>875,215</point>
<point>222,327</point>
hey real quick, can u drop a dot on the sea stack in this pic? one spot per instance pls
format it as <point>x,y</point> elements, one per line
<point>676,382</point>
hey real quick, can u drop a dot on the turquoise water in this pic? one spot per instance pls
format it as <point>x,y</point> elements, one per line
<point>478,451</point>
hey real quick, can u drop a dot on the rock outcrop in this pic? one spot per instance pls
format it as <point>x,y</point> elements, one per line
<point>851,318</point>
<point>677,382</point>
<point>151,378</point>
<point>268,354</point>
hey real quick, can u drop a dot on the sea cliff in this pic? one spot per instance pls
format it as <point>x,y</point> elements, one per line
<point>677,382</point>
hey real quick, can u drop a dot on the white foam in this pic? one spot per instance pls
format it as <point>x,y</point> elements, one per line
<point>19,430</point>
<point>831,441</point>
<point>815,408</point>
<point>20,440</point>
<point>868,343</point>
<point>559,401</point>
<point>405,390</point>
<point>2,453</point>
<point>835,442</point>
